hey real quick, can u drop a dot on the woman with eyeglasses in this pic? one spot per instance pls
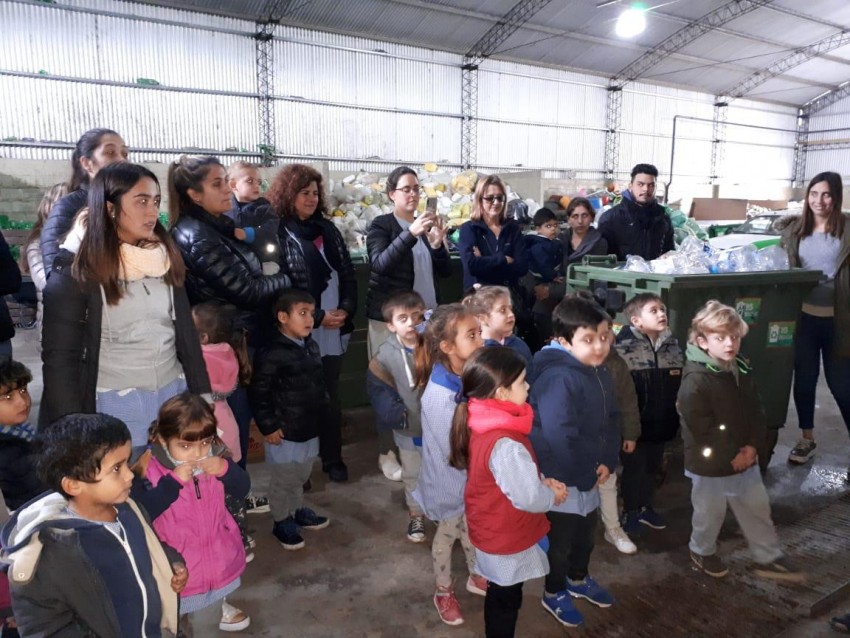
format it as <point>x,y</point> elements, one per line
<point>406,252</point>
<point>492,248</point>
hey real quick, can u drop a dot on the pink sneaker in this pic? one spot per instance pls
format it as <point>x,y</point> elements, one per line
<point>447,606</point>
<point>476,584</point>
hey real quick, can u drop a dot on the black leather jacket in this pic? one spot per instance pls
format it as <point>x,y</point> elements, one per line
<point>391,260</point>
<point>219,267</point>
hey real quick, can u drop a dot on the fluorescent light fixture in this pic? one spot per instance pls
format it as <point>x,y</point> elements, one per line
<point>631,22</point>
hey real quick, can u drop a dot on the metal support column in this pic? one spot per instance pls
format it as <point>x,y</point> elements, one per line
<point>718,139</point>
<point>613,115</point>
<point>801,148</point>
<point>264,46</point>
<point>469,105</point>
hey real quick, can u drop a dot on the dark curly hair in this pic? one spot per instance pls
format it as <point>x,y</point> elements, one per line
<point>14,375</point>
<point>74,447</point>
<point>291,179</point>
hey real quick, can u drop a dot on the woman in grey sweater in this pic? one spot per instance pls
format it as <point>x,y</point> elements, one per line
<point>819,239</point>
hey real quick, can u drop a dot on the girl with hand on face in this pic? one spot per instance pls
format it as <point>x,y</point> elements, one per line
<point>314,255</point>
<point>96,148</point>
<point>118,335</point>
<point>183,481</point>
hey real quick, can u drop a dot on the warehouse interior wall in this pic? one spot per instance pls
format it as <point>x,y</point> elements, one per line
<point>174,81</point>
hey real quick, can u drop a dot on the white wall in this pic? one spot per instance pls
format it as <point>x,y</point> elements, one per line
<point>354,102</point>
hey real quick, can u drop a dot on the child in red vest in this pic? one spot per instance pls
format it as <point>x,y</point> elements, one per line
<point>505,497</point>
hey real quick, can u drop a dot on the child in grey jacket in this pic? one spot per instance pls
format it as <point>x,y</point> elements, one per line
<point>392,370</point>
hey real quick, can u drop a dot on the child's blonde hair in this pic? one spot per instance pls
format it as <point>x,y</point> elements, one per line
<point>238,167</point>
<point>719,318</point>
<point>481,301</point>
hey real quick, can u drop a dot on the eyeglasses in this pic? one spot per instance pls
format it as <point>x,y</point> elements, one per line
<point>494,199</point>
<point>407,190</point>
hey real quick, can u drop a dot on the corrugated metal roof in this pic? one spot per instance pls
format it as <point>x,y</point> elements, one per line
<point>577,34</point>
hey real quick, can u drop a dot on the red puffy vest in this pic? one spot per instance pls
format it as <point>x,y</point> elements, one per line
<point>495,525</point>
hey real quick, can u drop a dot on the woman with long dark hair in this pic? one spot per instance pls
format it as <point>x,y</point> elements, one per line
<point>819,239</point>
<point>317,260</point>
<point>96,148</point>
<point>220,267</point>
<point>118,333</point>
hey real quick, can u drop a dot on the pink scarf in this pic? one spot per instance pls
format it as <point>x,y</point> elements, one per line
<point>495,414</point>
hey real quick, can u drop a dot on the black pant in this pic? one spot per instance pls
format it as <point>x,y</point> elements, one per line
<point>501,610</point>
<point>571,542</point>
<point>640,470</point>
<point>330,432</point>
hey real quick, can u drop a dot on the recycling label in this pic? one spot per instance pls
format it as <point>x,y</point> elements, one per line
<point>780,334</point>
<point>749,309</point>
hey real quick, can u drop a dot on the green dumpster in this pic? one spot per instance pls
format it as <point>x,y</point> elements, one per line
<point>768,301</point>
<point>352,381</point>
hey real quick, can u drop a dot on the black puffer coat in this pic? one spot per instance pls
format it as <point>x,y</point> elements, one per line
<point>219,267</point>
<point>294,264</point>
<point>287,390</point>
<point>391,260</point>
<point>58,223</point>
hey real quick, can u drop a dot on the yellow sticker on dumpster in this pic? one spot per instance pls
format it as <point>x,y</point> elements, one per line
<point>749,309</point>
<point>780,334</point>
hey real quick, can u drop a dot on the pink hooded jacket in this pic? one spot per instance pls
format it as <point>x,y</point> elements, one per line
<point>223,371</point>
<point>199,526</point>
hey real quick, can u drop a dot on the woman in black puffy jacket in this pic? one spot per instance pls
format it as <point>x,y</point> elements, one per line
<point>219,267</point>
<point>96,148</point>
<point>314,255</point>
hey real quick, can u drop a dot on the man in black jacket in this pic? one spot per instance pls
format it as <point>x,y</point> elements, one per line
<point>638,225</point>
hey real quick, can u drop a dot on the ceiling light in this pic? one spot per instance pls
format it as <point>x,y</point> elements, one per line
<point>631,22</point>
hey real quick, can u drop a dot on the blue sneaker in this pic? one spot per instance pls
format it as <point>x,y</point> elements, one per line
<point>630,522</point>
<point>651,518</point>
<point>561,607</point>
<point>590,590</point>
<point>308,519</point>
<point>286,532</point>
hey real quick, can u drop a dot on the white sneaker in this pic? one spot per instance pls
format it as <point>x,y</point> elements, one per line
<point>389,466</point>
<point>618,538</point>
<point>233,618</point>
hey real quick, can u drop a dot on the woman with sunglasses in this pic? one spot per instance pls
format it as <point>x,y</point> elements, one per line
<point>492,248</point>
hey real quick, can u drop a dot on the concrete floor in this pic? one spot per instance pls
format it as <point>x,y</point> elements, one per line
<point>360,577</point>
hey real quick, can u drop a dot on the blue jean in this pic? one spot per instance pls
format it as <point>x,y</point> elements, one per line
<point>814,339</point>
<point>238,402</point>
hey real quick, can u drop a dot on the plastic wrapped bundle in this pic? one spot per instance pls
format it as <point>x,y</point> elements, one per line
<point>636,263</point>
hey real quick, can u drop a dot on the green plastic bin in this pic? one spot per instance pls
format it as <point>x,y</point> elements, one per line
<point>352,381</point>
<point>768,301</point>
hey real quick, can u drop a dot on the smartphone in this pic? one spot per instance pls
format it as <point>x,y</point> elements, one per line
<point>431,205</point>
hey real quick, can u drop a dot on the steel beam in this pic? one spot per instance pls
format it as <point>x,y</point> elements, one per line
<point>796,58</point>
<point>718,140</point>
<point>686,35</point>
<point>613,116</point>
<point>487,45</point>
<point>800,149</point>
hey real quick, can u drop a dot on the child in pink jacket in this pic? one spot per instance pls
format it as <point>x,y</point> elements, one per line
<point>182,483</point>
